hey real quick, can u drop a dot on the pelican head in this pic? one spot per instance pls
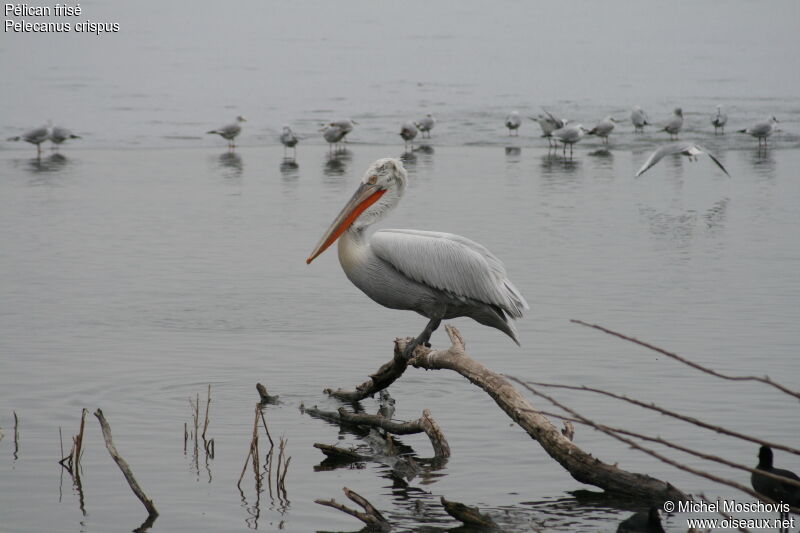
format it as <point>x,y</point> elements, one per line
<point>380,190</point>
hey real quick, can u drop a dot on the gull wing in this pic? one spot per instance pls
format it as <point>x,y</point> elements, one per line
<point>684,148</point>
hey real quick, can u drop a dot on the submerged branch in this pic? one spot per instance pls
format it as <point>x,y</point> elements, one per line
<point>370,516</point>
<point>470,516</point>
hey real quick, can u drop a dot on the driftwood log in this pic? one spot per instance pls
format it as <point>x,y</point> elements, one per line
<point>581,465</point>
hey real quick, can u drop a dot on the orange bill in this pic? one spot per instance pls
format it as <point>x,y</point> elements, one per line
<point>365,196</point>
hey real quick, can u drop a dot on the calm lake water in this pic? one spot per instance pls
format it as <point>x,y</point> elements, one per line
<point>144,262</point>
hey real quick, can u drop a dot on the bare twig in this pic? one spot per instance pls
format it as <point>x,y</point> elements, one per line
<point>673,414</point>
<point>16,436</point>
<point>676,446</point>
<point>766,380</point>
<point>250,450</point>
<point>123,465</point>
<point>282,482</point>
<point>208,405</point>
<point>264,421</point>
<point>648,451</point>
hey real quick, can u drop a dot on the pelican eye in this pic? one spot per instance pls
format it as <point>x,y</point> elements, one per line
<point>372,179</point>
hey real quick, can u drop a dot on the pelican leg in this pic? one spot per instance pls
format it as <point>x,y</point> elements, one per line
<point>423,337</point>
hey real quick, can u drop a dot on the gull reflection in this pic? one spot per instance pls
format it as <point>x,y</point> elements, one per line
<point>289,168</point>
<point>603,157</point>
<point>231,164</point>
<point>763,162</point>
<point>52,163</point>
<point>409,159</point>
<point>554,164</point>
<point>336,163</point>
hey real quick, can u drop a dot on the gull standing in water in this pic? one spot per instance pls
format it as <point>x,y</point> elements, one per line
<point>639,119</point>
<point>426,124</point>
<point>230,131</point>
<point>549,123</point>
<point>719,120</point>
<point>35,136</point>
<point>334,135</point>
<point>289,140</point>
<point>513,122</point>
<point>438,275</point>
<point>58,135</point>
<point>675,125</point>
<point>345,126</point>
<point>408,131</point>
<point>604,128</point>
<point>761,130</point>
<point>690,150</point>
<point>569,135</point>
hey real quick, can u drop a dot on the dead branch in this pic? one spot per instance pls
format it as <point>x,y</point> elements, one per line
<point>208,406</point>
<point>385,376</point>
<point>252,450</point>
<point>662,458</point>
<point>123,465</point>
<point>581,465</point>
<point>673,414</point>
<point>266,428</point>
<point>424,424</point>
<point>72,461</point>
<point>16,436</point>
<point>674,446</point>
<point>371,516</point>
<point>766,380</point>
<point>470,516</point>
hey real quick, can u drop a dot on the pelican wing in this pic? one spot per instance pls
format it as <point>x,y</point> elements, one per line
<point>449,263</point>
